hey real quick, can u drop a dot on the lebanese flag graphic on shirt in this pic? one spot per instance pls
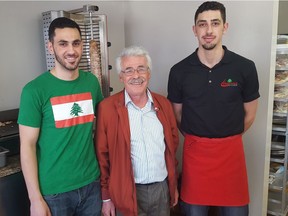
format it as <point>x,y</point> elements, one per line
<point>70,110</point>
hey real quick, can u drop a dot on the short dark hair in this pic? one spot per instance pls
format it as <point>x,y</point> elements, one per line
<point>211,5</point>
<point>61,22</point>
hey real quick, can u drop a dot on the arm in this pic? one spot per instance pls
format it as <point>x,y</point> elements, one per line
<point>101,146</point>
<point>250,109</point>
<point>176,197</point>
<point>108,208</point>
<point>28,138</point>
<point>177,107</point>
<point>174,122</point>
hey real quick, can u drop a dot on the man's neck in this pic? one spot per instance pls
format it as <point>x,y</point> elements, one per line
<point>65,74</point>
<point>210,57</point>
<point>139,100</point>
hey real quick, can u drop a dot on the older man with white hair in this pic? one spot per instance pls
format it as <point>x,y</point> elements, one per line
<point>136,142</point>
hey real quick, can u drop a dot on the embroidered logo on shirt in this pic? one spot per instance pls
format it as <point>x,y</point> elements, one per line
<point>70,110</point>
<point>228,83</point>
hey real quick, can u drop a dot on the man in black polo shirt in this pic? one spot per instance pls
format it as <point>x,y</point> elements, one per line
<point>214,93</point>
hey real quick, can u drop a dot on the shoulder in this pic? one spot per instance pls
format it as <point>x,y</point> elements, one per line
<point>37,82</point>
<point>160,98</point>
<point>90,80</point>
<point>116,98</point>
<point>162,104</point>
<point>237,58</point>
<point>184,62</point>
<point>178,70</point>
<point>87,75</point>
<point>238,63</point>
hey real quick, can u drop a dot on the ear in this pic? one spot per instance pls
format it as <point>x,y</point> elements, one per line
<point>121,77</point>
<point>50,47</point>
<point>149,75</point>
<point>194,30</point>
<point>226,25</point>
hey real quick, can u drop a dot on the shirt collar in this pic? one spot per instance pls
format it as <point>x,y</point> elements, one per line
<point>194,59</point>
<point>128,99</point>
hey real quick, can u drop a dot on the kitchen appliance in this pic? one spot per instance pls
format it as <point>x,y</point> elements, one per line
<point>9,131</point>
<point>13,190</point>
<point>3,153</point>
<point>93,27</point>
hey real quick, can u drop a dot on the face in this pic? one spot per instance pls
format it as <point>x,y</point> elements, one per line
<point>135,84</point>
<point>67,48</point>
<point>209,29</point>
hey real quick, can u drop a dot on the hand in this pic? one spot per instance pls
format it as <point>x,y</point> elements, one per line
<point>39,208</point>
<point>176,197</point>
<point>108,208</point>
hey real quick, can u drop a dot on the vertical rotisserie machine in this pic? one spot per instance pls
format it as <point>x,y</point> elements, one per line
<point>94,29</point>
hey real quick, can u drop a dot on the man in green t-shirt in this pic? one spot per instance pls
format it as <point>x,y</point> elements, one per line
<point>56,121</point>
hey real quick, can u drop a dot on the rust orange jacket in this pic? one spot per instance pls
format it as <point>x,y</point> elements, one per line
<point>112,143</point>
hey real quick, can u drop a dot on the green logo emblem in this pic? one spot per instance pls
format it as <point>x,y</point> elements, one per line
<point>75,110</point>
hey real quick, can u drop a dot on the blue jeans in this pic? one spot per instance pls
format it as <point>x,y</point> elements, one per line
<point>199,210</point>
<point>85,201</point>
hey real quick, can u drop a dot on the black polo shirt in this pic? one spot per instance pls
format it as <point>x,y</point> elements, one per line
<point>212,98</point>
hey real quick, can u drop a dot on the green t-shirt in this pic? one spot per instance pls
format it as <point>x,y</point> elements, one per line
<point>64,111</point>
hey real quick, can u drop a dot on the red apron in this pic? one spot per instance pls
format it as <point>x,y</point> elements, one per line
<point>214,171</point>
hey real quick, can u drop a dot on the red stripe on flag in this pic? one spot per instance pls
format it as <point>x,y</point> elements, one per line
<point>74,121</point>
<point>70,98</point>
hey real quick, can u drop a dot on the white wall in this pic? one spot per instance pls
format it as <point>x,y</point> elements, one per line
<point>164,28</point>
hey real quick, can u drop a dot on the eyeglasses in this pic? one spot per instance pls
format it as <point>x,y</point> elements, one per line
<point>130,71</point>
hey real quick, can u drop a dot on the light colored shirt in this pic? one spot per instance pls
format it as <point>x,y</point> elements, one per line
<point>147,142</point>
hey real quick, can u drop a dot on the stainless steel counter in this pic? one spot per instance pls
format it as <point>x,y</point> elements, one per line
<point>13,166</point>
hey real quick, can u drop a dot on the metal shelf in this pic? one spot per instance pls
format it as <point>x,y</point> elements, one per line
<point>279,128</point>
<point>275,210</point>
<point>277,145</point>
<point>277,132</point>
<point>278,187</point>
<point>277,160</point>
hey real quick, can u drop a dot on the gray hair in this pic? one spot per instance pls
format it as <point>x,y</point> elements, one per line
<point>133,51</point>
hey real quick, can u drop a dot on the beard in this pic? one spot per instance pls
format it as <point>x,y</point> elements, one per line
<point>67,66</point>
<point>208,46</point>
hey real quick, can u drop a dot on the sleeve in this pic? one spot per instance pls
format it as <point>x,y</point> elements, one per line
<point>102,151</point>
<point>251,84</point>
<point>95,89</point>
<point>174,86</point>
<point>174,131</point>
<point>30,113</point>
<point>99,95</point>
<point>170,126</point>
<point>171,134</point>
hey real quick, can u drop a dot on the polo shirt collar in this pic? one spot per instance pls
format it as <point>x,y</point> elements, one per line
<point>194,59</point>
